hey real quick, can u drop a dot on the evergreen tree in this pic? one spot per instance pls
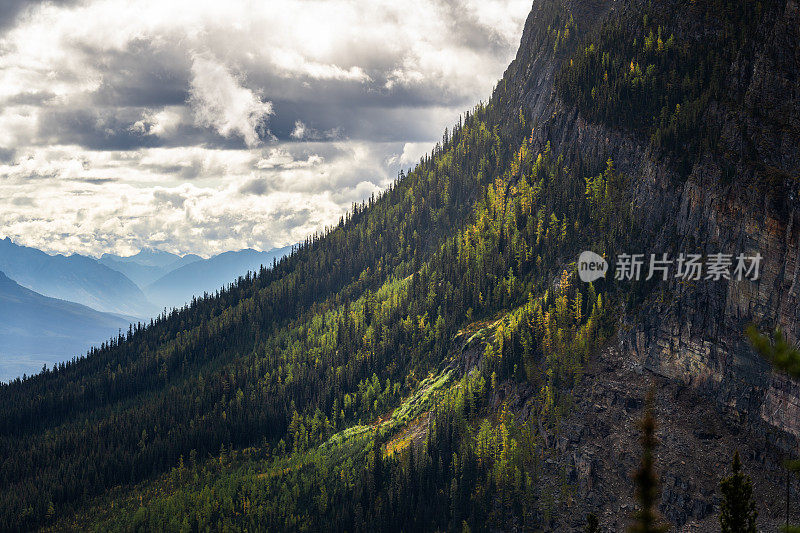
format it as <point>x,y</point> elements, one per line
<point>647,519</point>
<point>777,350</point>
<point>592,524</point>
<point>738,513</point>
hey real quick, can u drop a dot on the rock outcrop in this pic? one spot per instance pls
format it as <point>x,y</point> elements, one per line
<point>715,393</point>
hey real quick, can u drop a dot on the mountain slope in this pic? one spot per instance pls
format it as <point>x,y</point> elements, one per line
<point>219,349</point>
<point>179,285</point>
<point>716,165</point>
<point>36,330</point>
<point>433,361</point>
<point>75,278</point>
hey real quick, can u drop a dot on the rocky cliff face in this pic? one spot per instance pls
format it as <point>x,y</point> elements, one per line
<point>715,393</point>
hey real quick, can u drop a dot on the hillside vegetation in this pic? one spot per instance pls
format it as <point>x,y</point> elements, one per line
<point>367,380</point>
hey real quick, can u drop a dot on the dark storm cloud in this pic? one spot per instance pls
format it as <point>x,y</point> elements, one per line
<point>31,98</point>
<point>10,10</point>
<point>149,74</point>
<point>142,74</point>
<point>471,31</point>
<point>350,93</point>
<point>352,121</point>
<point>7,155</point>
<point>95,181</point>
<point>123,128</point>
<point>259,187</point>
<point>96,129</point>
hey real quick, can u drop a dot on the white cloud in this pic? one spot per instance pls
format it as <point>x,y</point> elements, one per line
<point>412,152</point>
<point>293,63</point>
<point>90,202</point>
<point>159,123</point>
<point>299,130</point>
<point>302,132</point>
<point>220,101</point>
<point>112,113</point>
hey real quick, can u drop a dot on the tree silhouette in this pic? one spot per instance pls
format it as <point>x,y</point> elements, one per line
<point>738,511</point>
<point>647,519</point>
<point>592,524</point>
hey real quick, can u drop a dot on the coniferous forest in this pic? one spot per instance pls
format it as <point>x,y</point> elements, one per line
<point>371,380</point>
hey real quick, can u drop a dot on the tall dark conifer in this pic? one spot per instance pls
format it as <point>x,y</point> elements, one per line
<point>738,511</point>
<point>647,518</point>
<point>592,524</point>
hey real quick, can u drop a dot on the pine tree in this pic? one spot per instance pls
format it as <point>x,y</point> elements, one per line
<point>592,524</point>
<point>778,350</point>
<point>647,519</point>
<point>738,512</point>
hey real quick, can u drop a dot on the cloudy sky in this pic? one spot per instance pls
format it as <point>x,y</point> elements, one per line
<point>209,125</point>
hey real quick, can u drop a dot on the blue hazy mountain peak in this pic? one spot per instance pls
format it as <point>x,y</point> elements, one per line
<point>76,278</point>
<point>154,257</point>
<point>207,275</point>
<point>148,265</point>
<point>37,330</point>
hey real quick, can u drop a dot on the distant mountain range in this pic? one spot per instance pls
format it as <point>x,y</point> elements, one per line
<point>207,275</point>
<point>148,265</point>
<point>75,278</point>
<point>37,330</point>
<point>140,285</point>
<point>55,307</point>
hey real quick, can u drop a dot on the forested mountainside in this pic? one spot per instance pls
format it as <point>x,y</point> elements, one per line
<point>434,362</point>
